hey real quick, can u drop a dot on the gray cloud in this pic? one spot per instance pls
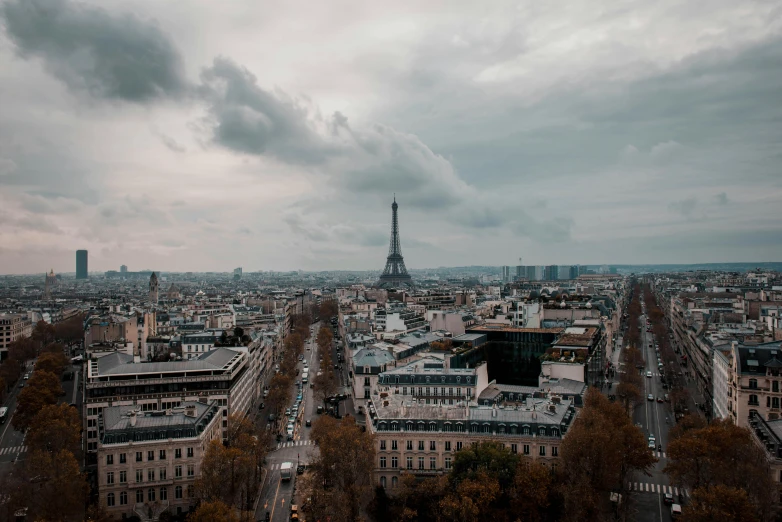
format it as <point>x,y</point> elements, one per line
<point>721,198</point>
<point>112,57</point>
<point>684,207</point>
<point>246,118</point>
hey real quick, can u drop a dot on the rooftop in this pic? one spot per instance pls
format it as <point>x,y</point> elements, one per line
<point>120,364</point>
<point>121,424</point>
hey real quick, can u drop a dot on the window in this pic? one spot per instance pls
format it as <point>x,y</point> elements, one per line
<point>409,445</point>
<point>420,463</point>
<point>447,462</point>
<point>150,495</point>
<point>447,445</point>
<point>420,445</point>
<point>514,448</point>
<point>140,476</point>
<point>753,400</point>
<point>526,449</point>
<point>110,477</point>
<point>189,452</point>
<point>432,445</point>
<point>432,462</point>
<point>178,492</point>
<point>394,445</point>
<point>753,384</point>
<point>162,474</point>
<point>394,482</point>
<point>409,462</point>
<point>382,445</point>
<point>139,456</point>
<point>109,460</point>
<point>543,451</point>
<point>775,386</point>
<point>123,477</point>
<point>123,498</point>
<point>190,491</point>
<point>162,454</point>
<point>382,482</point>
<point>110,499</point>
<point>775,402</point>
<point>459,445</point>
<point>163,493</point>
<point>139,496</point>
<point>122,459</point>
<point>178,472</point>
<point>178,453</point>
<point>394,462</point>
<point>151,455</point>
<point>382,462</point>
<point>190,471</point>
<point>554,451</point>
<point>151,475</point>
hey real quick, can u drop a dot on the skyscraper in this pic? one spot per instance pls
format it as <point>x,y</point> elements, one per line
<point>81,264</point>
<point>123,269</point>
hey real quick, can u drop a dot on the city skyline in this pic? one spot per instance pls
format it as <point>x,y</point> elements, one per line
<point>513,128</point>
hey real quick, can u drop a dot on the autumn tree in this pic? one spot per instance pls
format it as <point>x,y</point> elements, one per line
<point>471,498</point>
<point>601,449</point>
<point>224,474</point>
<point>42,389</point>
<point>689,422</point>
<point>213,511</point>
<point>325,382</point>
<point>342,471</point>
<point>52,361</point>
<point>55,428</point>
<point>487,457</point>
<point>280,392</point>
<point>328,309</point>
<point>723,454</point>
<point>325,338</point>
<point>531,491</point>
<point>43,333</point>
<point>55,488</point>
<point>70,331</point>
<point>10,371</point>
<point>721,503</point>
<point>22,349</point>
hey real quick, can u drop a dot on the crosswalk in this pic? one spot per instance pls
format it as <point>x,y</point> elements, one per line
<point>12,449</point>
<point>295,443</point>
<point>646,487</point>
<point>659,454</point>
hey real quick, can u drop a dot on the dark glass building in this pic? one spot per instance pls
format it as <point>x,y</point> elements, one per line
<point>81,264</point>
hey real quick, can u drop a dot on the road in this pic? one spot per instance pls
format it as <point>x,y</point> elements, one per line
<point>655,418</point>
<point>276,495</point>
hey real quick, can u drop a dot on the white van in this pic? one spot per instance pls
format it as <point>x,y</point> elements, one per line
<point>676,510</point>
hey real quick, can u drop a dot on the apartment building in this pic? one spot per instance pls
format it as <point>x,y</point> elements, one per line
<point>111,327</point>
<point>195,345</point>
<point>13,327</point>
<point>755,382</point>
<point>225,375</point>
<point>367,364</point>
<point>397,320</point>
<point>149,461</point>
<point>413,437</point>
<point>767,435</point>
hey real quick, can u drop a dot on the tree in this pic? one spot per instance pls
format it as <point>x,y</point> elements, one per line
<point>238,332</point>
<point>600,450</point>
<point>720,503</point>
<point>10,371</point>
<point>471,499</point>
<point>55,488</point>
<point>52,361</point>
<point>280,392</point>
<point>43,333</point>
<point>55,428</point>
<point>70,331</point>
<point>487,457</point>
<point>42,388</point>
<point>685,424</point>
<point>342,471</point>
<point>22,349</point>
<point>224,472</point>
<point>531,491</point>
<point>212,511</point>
<point>325,338</point>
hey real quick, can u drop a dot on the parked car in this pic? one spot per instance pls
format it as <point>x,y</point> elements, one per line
<point>320,410</point>
<point>308,423</point>
<point>650,397</point>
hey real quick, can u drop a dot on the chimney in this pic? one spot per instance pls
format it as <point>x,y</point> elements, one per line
<point>133,419</point>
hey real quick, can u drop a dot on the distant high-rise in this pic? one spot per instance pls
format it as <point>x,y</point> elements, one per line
<point>506,274</point>
<point>123,269</point>
<point>51,281</point>
<point>81,264</point>
<point>551,273</point>
<point>237,273</point>
<point>574,271</point>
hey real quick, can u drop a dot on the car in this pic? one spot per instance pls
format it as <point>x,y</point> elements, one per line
<point>651,445</point>
<point>298,397</point>
<point>294,410</point>
<point>668,498</point>
<point>336,366</point>
<point>650,397</point>
<point>261,406</point>
<point>289,428</point>
<point>308,423</point>
<point>649,374</point>
<point>659,399</point>
<point>287,411</point>
<point>320,410</point>
<point>21,385</point>
<point>300,469</point>
<point>289,437</point>
<point>666,398</point>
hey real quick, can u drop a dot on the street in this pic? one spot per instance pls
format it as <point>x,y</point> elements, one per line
<point>655,418</point>
<point>276,494</point>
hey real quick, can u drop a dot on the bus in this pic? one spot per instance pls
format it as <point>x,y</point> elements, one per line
<point>3,414</point>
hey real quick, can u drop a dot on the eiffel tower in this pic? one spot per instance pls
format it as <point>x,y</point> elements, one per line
<point>395,273</point>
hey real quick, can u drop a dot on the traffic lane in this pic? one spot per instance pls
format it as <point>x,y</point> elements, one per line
<point>650,507</point>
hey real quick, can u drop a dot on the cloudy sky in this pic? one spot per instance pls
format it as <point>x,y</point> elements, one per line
<point>207,135</point>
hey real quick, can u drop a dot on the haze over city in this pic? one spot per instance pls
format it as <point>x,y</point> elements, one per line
<point>203,136</point>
